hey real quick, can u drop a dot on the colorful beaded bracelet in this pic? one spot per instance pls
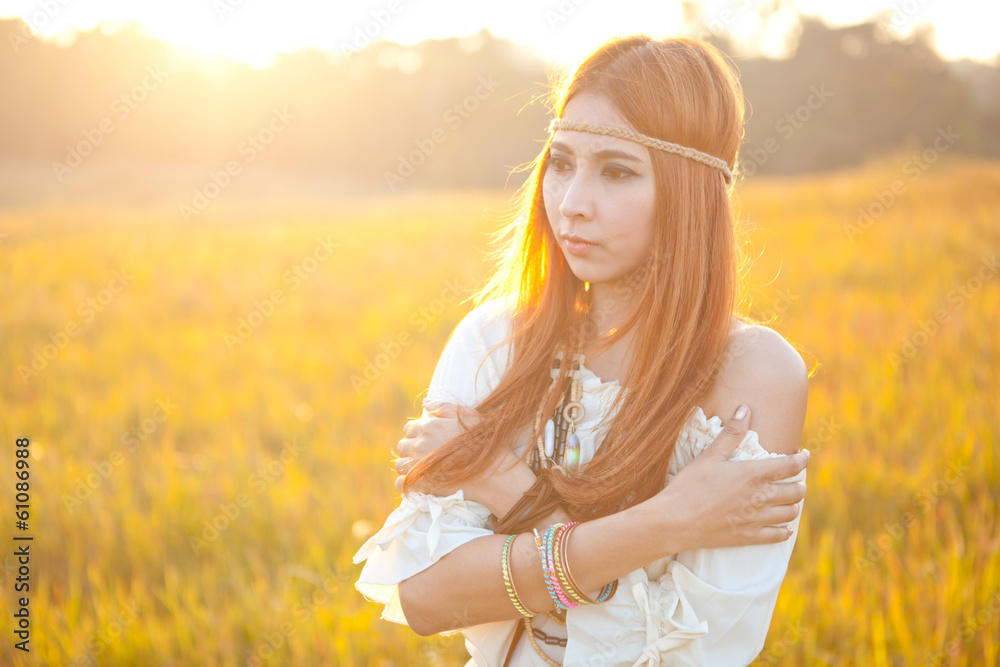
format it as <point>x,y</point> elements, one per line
<point>546,573</point>
<point>550,553</point>
<point>559,582</point>
<point>562,569</point>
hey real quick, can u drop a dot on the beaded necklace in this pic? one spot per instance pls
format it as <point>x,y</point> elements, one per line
<point>558,445</point>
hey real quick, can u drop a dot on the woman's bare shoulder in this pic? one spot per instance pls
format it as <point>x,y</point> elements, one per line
<point>756,343</point>
<point>763,370</point>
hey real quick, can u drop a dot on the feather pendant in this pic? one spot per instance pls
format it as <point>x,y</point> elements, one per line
<point>550,438</point>
<point>572,451</point>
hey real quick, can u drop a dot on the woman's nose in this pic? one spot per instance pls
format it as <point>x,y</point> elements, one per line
<point>577,198</point>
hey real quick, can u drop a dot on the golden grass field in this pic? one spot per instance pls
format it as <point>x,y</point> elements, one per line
<point>153,412</point>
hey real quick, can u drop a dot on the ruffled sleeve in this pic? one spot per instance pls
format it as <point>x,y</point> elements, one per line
<point>458,377</point>
<point>425,527</point>
<point>712,606</point>
<point>415,536</point>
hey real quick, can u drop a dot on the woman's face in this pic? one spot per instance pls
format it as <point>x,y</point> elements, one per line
<point>600,189</point>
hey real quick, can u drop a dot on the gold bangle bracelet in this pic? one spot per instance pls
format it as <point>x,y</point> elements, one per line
<point>569,575</point>
<point>508,577</point>
<point>606,591</point>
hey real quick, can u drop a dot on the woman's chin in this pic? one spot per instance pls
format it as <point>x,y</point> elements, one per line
<point>589,274</point>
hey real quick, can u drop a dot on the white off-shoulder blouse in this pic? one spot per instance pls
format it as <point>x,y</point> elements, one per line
<point>697,607</point>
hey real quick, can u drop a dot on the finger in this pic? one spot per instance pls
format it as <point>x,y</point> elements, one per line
<point>779,468</point>
<point>399,483</point>
<point>403,448</point>
<point>785,493</point>
<point>431,405</point>
<point>731,436</point>
<point>443,410</point>
<point>774,516</point>
<point>778,493</point>
<point>411,428</point>
<point>772,534</point>
<point>773,495</point>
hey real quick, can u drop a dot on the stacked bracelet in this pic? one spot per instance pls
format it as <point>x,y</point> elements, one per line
<point>559,581</point>
<point>561,570</point>
<point>571,584</point>
<point>549,540</point>
<point>508,578</point>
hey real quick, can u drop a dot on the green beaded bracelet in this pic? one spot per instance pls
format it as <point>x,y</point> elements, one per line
<point>508,578</point>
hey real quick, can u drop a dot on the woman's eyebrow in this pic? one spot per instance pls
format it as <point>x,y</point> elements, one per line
<point>604,154</point>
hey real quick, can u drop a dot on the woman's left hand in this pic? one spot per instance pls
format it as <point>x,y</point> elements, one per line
<point>422,436</point>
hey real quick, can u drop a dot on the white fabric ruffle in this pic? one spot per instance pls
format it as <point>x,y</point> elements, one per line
<point>416,535</point>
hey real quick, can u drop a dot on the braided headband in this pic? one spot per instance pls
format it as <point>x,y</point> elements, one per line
<point>677,149</point>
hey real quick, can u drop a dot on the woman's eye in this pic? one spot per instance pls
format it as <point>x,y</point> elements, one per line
<point>617,173</point>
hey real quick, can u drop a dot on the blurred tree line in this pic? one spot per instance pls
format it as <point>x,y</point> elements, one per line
<point>443,113</point>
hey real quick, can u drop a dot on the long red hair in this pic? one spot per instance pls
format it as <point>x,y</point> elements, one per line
<point>682,90</point>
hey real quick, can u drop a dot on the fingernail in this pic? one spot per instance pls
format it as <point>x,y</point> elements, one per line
<point>741,412</point>
<point>808,454</point>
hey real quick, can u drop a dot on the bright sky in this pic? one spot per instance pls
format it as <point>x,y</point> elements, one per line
<point>559,30</point>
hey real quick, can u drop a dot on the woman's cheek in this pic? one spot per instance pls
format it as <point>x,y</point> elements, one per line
<point>551,195</point>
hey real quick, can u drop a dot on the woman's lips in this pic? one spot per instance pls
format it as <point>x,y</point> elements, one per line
<point>575,248</point>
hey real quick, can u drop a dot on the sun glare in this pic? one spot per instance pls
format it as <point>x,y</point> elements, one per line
<point>257,32</point>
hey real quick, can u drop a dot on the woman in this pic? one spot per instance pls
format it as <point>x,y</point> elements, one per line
<point>592,513</point>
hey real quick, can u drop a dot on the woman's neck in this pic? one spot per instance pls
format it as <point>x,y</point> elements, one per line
<point>610,306</point>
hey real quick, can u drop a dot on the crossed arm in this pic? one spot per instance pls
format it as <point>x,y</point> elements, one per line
<point>465,587</point>
<point>708,504</point>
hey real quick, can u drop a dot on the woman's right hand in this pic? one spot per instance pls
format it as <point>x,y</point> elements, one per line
<point>422,436</point>
<point>498,490</point>
<point>714,502</point>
